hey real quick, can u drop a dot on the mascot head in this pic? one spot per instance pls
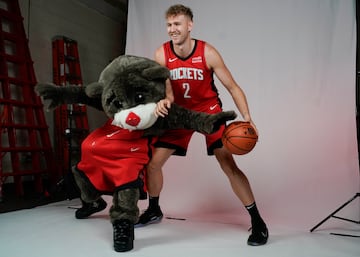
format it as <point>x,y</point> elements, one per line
<point>130,87</point>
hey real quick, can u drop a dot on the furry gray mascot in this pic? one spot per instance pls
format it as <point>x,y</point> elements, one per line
<point>114,156</point>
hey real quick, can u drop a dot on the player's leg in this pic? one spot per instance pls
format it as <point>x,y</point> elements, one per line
<point>237,178</point>
<point>154,182</point>
<point>172,142</point>
<point>154,175</point>
<point>242,189</point>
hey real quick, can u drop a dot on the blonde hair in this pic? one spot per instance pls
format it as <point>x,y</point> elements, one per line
<point>179,9</point>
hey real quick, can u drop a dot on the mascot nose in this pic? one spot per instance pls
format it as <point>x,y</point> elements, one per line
<point>132,119</point>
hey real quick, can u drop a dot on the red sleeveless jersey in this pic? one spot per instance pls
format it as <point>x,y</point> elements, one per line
<point>191,80</point>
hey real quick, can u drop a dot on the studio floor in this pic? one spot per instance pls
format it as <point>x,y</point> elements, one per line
<point>52,230</point>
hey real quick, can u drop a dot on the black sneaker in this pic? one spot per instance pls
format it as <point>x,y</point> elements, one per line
<point>88,209</point>
<point>123,235</point>
<point>150,216</point>
<point>258,237</point>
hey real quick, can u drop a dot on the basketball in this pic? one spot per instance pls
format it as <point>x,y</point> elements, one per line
<point>239,137</point>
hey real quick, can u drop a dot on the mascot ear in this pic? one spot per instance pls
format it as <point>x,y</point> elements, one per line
<point>156,72</point>
<point>94,90</point>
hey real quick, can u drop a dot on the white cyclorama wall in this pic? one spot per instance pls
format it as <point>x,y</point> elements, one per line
<point>295,60</point>
<point>100,39</point>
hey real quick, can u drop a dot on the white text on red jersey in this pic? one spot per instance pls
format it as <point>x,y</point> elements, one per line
<point>186,73</point>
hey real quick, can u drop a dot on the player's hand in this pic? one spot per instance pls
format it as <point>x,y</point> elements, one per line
<point>254,126</point>
<point>162,107</point>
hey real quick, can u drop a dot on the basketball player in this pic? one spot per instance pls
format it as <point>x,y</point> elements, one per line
<point>192,64</point>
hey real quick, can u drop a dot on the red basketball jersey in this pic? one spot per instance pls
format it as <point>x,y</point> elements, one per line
<point>192,82</point>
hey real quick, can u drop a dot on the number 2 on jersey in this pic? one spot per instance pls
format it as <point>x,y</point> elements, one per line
<point>186,87</point>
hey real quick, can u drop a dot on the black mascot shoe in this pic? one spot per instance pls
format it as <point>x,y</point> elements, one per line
<point>258,237</point>
<point>88,209</point>
<point>123,235</point>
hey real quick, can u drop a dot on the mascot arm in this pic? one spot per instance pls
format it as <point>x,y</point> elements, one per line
<point>71,94</point>
<point>181,118</point>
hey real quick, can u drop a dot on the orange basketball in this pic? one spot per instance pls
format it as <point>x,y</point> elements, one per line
<point>239,137</point>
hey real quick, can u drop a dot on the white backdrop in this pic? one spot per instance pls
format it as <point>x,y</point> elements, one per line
<point>296,62</point>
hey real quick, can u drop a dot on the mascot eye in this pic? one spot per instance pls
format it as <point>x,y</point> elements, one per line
<point>117,104</point>
<point>110,99</point>
<point>139,98</point>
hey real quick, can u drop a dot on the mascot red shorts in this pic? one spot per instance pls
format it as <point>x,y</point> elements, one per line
<point>112,156</point>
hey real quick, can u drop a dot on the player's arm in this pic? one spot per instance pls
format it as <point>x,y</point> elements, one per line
<point>216,63</point>
<point>164,104</point>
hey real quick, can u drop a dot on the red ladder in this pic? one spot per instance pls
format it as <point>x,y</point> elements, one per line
<point>25,145</point>
<point>71,123</point>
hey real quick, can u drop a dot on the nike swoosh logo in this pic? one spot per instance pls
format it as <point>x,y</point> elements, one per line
<point>264,234</point>
<point>114,133</point>
<point>173,59</point>
<point>134,149</point>
<point>213,107</point>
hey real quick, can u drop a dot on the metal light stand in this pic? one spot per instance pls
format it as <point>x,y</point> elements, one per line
<point>332,215</point>
<point>67,184</point>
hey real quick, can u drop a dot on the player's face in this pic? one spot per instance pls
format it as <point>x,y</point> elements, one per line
<point>178,28</point>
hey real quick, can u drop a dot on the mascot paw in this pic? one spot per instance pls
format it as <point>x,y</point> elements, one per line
<point>214,122</point>
<point>49,92</point>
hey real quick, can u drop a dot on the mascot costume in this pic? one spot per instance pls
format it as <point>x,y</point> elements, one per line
<point>114,156</point>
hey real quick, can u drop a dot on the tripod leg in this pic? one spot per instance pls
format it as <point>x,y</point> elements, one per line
<point>337,234</point>
<point>332,214</point>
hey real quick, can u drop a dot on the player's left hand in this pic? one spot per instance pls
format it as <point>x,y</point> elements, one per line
<point>162,107</point>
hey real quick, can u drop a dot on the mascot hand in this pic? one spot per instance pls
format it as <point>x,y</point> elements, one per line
<point>213,122</point>
<point>50,92</point>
